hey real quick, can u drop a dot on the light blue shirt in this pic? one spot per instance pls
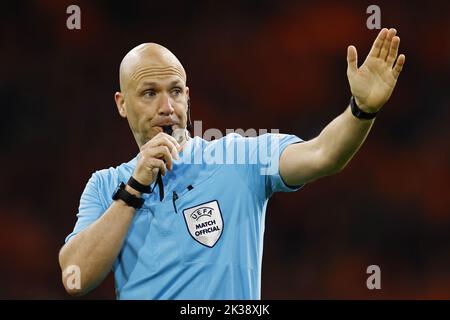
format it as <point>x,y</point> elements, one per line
<point>207,241</point>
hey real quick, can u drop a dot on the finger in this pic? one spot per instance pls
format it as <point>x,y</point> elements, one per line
<point>173,148</point>
<point>165,141</point>
<point>377,44</point>
<point>171,139</point>
<point>174,145</point>
<point>393,51</point>
<point>399,66</point>
<point>162,152</point>
<point>352,59</point>
<point>157,163</point>
<point>158,137</point>
<point>387,43</point>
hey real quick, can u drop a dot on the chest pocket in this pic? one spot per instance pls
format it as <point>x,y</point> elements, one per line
<point>201,223</point>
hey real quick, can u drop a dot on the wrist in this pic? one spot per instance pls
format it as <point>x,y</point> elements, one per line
<point>134,192</point>
<point>138,186</point>
<point>360,113</point>
<point>365,108</point>
<point>127,197</point>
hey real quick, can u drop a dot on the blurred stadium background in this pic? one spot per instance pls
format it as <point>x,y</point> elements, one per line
<point>250,64</point>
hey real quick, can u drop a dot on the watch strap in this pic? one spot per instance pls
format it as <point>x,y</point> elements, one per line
<point>136,185</point>
<point>127,197</point>
<point>360,114</point>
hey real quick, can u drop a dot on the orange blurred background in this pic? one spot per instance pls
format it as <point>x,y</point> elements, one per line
<point>262,64</point>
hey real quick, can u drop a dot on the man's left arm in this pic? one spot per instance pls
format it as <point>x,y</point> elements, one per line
<point>371,85</point>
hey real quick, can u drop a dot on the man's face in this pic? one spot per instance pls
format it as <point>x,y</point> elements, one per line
<point>153,102</point>
<point>154,95</point>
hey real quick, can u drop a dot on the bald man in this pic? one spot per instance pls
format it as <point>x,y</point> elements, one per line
<point>199,235</point>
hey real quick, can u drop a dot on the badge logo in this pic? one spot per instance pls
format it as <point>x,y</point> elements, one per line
<point>204,223</point>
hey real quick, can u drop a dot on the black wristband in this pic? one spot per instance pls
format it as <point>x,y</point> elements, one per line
<point>358,113</point>
<point>138,186</point>
<point>130,199</point>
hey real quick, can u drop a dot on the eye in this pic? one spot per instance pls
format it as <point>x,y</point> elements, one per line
<point>149,93</point>
<point>177,91</point>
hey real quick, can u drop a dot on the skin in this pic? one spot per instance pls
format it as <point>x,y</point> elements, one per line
<point>371,84</point>
<point>154,93</point>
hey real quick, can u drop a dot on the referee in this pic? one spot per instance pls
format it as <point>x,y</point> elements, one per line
<point>185,218</point>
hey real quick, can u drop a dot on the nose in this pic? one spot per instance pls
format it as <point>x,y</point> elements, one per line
<point>165,106</point>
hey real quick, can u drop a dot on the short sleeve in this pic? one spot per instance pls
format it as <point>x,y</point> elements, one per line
<point>277,143</point>
<point>91,205</point>
<point>260,163</point>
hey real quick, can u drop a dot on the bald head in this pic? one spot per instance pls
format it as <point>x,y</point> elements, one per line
<point>149,60</point>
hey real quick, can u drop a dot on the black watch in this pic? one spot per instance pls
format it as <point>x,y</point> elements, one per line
<point>127,197</point>
<point>358,113</point>
<point>136,185</point>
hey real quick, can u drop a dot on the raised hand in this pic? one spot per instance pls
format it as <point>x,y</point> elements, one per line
<point>373,82</point>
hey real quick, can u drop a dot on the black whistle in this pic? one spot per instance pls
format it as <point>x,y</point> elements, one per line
<point>168,130</point>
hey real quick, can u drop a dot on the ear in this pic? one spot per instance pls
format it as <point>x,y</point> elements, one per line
<point>120,103</point>
<point>187,95</point>
<point>188,112</point>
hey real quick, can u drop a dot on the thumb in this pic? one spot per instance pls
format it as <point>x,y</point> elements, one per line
<point>352,59</point>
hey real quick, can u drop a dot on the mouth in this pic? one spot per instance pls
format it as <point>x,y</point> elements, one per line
<point>167,127</point>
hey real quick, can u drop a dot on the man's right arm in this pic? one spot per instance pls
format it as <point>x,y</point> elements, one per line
<point>95,249</point>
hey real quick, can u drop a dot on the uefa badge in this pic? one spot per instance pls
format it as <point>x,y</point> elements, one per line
<point>204,223</point>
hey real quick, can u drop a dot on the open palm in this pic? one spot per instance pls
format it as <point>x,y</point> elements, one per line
<point>372,83</point>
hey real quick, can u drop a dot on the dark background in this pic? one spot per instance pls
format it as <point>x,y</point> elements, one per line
<point>250,64</point>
